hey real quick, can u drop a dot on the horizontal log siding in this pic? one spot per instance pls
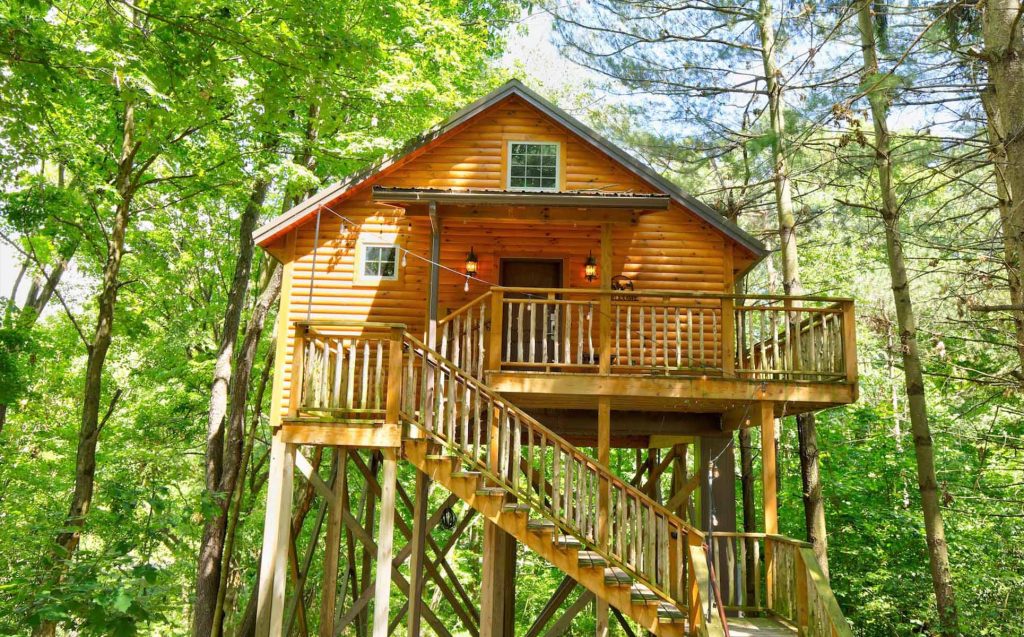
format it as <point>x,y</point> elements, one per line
<point>664,250</point>
<point>475,157</point>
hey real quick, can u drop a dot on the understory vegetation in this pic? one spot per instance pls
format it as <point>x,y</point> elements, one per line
<point>142,143</point>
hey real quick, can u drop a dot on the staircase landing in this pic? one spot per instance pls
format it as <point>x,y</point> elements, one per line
<point>759,627</point>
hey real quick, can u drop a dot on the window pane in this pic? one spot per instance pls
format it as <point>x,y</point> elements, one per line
<point>372,268</point>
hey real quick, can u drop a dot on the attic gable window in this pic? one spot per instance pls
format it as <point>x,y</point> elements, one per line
<point>533,166</point>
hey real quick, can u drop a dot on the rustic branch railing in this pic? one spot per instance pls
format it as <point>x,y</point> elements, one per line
<point>753,337</point>
<point>777,575</point>
<point>343,370</point>
<point>344,373</point>
<point>539,468</point>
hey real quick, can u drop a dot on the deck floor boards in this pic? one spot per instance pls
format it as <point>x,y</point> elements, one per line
<point>759,627</point>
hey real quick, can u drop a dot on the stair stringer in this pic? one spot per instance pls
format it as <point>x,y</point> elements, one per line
<point>515,524</point>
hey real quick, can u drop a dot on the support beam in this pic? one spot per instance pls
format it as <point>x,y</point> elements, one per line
<point>563,623</point>
<point>332,544</point>
<point>276,540</point>
<point>565,588</point>
<point>419,540</point>
<point>604,427</point>
<point>385,544</point>
<point>497,591</point>
<point>766,421</point>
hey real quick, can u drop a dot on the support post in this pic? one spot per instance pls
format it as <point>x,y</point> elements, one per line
<point>332,544</point>
<point>385,544</point>
<point>497,590</point>
<point>604,423</point>
<point>435,259</point>
<point>497,322</point>
<point>276,539</point>
<point>605,305</point>
<point>417,571</point>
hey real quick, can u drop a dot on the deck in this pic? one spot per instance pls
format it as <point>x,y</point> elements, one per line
<point>656,350</point>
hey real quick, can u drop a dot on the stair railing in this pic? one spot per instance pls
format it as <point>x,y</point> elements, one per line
<point>462,335</point>
<point>538,467</point>
<point>787,583</point>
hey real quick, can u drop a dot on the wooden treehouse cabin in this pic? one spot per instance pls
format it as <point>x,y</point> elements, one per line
<point>499,306</point>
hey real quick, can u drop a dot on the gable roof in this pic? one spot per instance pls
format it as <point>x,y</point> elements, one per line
<point>299,213</point>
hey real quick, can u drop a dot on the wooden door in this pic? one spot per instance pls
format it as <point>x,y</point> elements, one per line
<point>529,336</point>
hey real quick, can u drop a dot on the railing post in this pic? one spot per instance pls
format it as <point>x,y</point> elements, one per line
<point>728,337</point>
<point>800,579</point>
<point>849,342</point>
<point>693,607</point>
<point>497,319</point>
<point>297,381</point>
<point>393,403</point>
<point>795,335</point>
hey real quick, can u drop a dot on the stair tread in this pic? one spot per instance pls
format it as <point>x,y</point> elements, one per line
<point>640,594</point>
<point>617,577</point>
<point>465,474</point>
<point>515,507</point>
<point>670,614</point>
<point>441,456</point>
<point>591,559</point>
<point>541,526</point>
<point>490,491</point>
<point>567,541</point>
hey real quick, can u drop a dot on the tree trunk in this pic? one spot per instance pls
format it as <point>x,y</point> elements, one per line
<point>220,478</point>
<point>938,550</point>
<point>814,507</point>
<point>1003,34</point>
<point>810,477</point>
<point>91,424</point>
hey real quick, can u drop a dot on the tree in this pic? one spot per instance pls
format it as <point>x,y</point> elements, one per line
<point>877,89</point>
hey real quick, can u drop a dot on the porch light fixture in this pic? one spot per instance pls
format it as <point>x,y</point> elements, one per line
<point>590,267</point>
<point>471,263</point>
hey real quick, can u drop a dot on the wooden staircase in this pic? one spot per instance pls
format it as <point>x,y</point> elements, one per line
<point>388,389</point>
<point>611,538</point>
<point>564,551</point>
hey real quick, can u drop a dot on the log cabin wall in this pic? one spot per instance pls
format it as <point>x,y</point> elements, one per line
<point>666,250</point>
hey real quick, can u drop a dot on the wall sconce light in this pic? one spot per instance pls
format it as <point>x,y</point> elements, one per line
<point>590,268</point>
<point>471,263</point>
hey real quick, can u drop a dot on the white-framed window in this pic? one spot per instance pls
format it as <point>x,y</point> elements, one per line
<point>378,261</point>
<point>533,165</point>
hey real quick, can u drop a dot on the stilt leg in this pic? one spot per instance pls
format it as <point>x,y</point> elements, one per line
<point>332,547</point>
<point>385,545</point>
<point>276,540</point>
<point>417,571</point>
<point>497,591</point>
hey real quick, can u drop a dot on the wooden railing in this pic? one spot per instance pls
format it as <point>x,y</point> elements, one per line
<point>345,374</point>
<point>557,480</point>
<point>342,370</point>
<point>788,583</point>
<point>667,333</point>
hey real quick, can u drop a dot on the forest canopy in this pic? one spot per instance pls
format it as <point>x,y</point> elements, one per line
<point>877,149</point>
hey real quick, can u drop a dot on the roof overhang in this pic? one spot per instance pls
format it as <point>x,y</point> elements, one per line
<point>621,201</point>
<point>298,214</point>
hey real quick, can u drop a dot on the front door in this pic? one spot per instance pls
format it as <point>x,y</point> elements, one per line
<point>528,336</point>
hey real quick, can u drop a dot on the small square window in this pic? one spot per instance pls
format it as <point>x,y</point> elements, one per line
<point>533,166</point>
<point>380,262</point>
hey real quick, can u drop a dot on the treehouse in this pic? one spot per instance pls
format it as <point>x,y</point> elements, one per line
<point>499,306</point>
